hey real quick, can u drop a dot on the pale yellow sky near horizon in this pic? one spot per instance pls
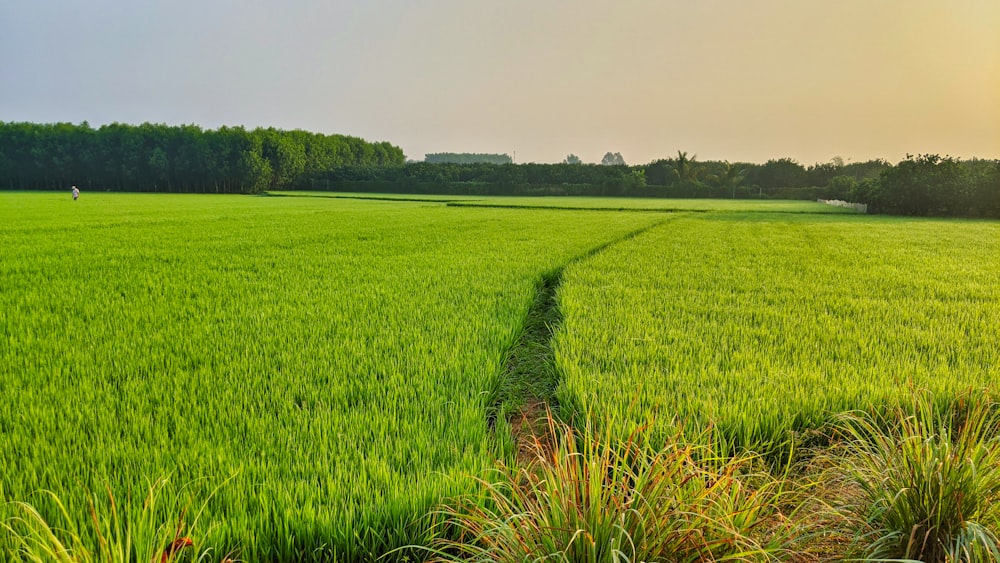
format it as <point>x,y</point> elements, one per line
<point>745,81</point>
<point>734,80</point>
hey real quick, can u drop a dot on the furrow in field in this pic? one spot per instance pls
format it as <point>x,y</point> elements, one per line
<point>335,355</point>
<point>529,380</point>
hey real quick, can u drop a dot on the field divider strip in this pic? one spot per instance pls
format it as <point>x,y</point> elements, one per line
<point>474,203</point>
<point>529,378</point>
<point>367,198</point>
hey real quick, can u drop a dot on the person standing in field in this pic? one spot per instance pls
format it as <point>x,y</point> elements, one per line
<point>76,193</point>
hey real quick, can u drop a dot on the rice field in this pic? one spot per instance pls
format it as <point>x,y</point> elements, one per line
<point>319,370</point>
<point>657,204</point>
<point>335,359</point>
<point>765,325</point>
<point>597,203</point>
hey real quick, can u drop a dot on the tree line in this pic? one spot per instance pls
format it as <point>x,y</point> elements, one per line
<point>932,185</point>
<point>186,158</point>
<point>680,176</point>
<point>488,179</point>
<point>777,178</point>
<point>467,158</point>
<point>927,185</point>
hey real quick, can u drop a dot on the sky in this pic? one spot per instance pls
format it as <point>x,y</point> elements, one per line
<point>735,80</point>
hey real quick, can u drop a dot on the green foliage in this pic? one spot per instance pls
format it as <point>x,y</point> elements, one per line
<point>489,179</point>
<point>529,369</point>
<point>160,158</point>
<point>587,499</point>
<point>936,186</point>
<point>765,325</point>
<point>339,354</point>
<point>467,158</point>
<point>778,173</point>
<point>602,203</point>
<point>613,159</point>
<point>343,357</point>
<point>929,481</point>
<point>685,169</point>
<point>680,177</point>
<point>162,526</point>
<point>841,187</point>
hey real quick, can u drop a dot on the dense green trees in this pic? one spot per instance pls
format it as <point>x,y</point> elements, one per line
<point>487,179</point>
<point>467,158</point>
<point>777,178</point>
<point>927,185</point>
<point>782,172</point>
<point>935,186</point>
<point>154,157</point>
<point>613,159</point>
<point>680,176</point>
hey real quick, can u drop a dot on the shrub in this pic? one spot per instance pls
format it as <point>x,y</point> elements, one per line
<point>154,530</point>
<point>585,499</point>
<point>929,482</point>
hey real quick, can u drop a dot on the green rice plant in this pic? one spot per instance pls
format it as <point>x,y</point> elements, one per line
<point>653,204</point>
<point>594,203</point>
<point>340,355</point>
<point>588,499</point>
<point>766,325</point>
<point>155,529</point>
<point>929,481</point>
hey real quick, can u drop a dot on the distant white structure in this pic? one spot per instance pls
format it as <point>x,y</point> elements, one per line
<point>859,207</point>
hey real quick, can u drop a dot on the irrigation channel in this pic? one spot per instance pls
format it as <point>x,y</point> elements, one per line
<point>530,378</point>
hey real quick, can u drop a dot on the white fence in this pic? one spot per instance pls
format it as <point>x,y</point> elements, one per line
<point>859,207</point>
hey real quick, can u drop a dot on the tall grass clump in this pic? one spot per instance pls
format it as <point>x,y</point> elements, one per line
<point>929,481</point>
<point>159,529</point>
<point>587,499</point>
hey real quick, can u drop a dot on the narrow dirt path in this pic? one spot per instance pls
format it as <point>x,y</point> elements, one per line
<point>530,378</point>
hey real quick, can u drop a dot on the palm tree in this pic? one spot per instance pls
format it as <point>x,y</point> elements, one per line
<point>684,167</point>
<point>732,176</point>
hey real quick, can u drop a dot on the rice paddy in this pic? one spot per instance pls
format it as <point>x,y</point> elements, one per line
<point>597,203</point>
<point>766,325</point>
<point>336,356</point>
<point>328,363</point>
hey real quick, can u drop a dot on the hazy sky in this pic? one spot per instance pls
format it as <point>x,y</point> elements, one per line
<point>736,80</point>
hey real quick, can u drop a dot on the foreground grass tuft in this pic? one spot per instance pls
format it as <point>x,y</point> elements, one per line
<point>158,530</point>
<point>585,499</point>
<point>929,482</point>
